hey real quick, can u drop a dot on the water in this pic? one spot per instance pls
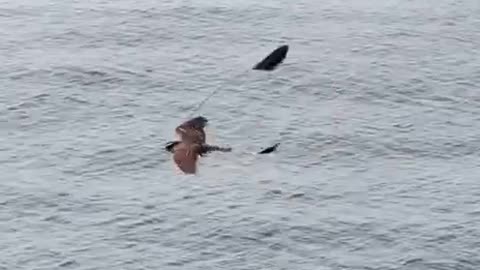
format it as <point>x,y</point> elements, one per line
<point>376,107</point>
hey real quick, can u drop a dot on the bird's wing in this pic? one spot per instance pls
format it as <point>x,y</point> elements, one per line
<point>186,156</point>
<point>191,131</point>
<point>210,148</point>
<point>191,135</point>
<point>196,122</point>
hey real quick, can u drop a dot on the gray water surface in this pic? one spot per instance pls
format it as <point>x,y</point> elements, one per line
<point>376,107</point>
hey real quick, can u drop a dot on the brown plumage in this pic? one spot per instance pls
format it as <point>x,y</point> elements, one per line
<point>192,144</point>
<point>192,130</point>
<point>186,157</point>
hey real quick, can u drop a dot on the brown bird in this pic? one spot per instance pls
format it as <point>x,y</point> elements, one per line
<point>192,144</point>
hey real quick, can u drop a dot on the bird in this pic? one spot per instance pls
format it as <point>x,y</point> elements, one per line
<point>192,144</point>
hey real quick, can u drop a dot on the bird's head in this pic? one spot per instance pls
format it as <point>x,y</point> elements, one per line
<point>170,145</point>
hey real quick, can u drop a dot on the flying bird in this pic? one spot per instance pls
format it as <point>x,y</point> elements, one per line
<point>273,59</point>
<point>192,144</point>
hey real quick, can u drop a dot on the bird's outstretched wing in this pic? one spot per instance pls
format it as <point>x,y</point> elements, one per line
<point>192,131</point>
<point>206,148</point>
<point>185,156</point>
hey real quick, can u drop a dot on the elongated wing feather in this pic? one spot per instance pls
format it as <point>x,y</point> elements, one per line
<point>269,149</point>
<point>273,59</point>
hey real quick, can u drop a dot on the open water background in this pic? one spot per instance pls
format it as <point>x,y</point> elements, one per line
<point>376,107</point>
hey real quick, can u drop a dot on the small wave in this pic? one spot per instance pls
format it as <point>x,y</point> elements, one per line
<point>68,263</point>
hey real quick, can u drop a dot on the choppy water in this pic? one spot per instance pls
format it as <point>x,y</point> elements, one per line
<point>376,106</point>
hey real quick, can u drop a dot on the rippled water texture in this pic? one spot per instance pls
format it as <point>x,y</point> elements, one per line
<point>376,107</point>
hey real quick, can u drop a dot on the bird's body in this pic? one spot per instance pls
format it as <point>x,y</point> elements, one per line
<point>192,144</point>
<point>186,157</point>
